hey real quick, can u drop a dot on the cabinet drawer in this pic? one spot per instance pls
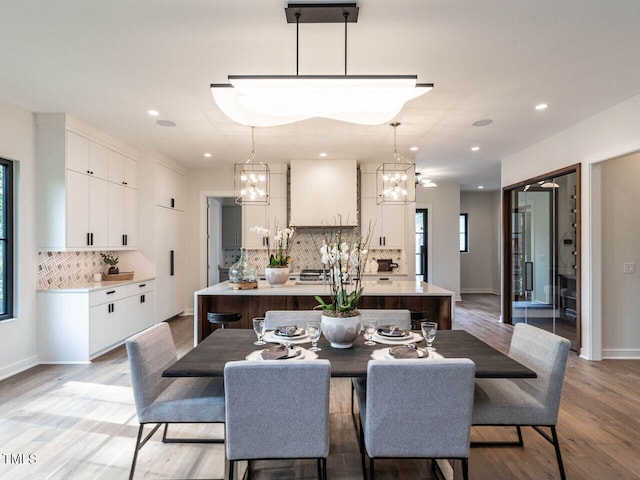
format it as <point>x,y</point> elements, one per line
<point>107,295</point>
<point>138,288</point>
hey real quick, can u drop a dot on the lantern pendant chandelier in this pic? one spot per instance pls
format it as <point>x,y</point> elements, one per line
<point>395,182</point>
<point>269,100</point>
<point>252,179</point>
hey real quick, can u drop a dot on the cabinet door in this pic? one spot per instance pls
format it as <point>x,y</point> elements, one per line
<point>77,153</point>
<point>116,214</point>
<point>130,172</point>
<point>164,188</point>
<point>77,209</point>
<point>169,263</point>
<point>116,167</point>
<point>99,211</point>
<point>393,226</point>
<point>370,216</point>
<point>107,325</point>
<point>98,161</point>
<point>131,216</point>
<point>253,216</point>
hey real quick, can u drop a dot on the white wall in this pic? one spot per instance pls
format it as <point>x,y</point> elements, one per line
<point>620,238</point>
<point>443,203</point>
<point>18,346</point>
<point>604,136</point>
<point>479,267</point>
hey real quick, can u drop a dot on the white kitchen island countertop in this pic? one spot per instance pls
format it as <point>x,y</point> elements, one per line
<point>371,288</point>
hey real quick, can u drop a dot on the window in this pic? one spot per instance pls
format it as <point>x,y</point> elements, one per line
<point>6,239</point>
<point>464,232</point>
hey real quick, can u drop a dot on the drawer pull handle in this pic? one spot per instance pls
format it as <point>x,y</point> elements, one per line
<point>110,292</point>
<point>142,285</point>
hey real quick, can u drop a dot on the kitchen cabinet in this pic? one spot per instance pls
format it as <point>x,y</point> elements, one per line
<point>75,193</point>
<point>171,187</point>
<point>170,262</point>
<point>78,325</point>
<point>387,222</point>
<point>231,226</point>
<point>267,216</point>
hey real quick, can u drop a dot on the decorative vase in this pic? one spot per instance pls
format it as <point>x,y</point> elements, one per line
<point>114,270</point>
<point>341,332</point>
<point>243,271</point>
<point>276,276</point>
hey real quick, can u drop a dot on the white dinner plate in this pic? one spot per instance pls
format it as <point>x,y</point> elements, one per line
<point>383,354</point>
<point>412,338</point>
<point>271,337</point>
<point>304,355</point>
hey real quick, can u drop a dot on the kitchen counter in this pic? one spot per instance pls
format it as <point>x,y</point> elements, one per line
<point>88,287</point>
<point>391,294</point>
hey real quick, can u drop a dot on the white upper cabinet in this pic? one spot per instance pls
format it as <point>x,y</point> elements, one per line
<point>80,206</point>
<point>123,170</point>
<point>324,192</point>
<point>171,187</point>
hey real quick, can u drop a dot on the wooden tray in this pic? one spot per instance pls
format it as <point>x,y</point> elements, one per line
<point>114,277</point>
<point>244,285</point>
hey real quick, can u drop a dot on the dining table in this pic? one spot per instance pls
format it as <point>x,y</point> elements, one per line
<point>208,358</point>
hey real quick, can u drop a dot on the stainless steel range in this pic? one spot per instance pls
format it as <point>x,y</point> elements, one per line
<point>312,277</point>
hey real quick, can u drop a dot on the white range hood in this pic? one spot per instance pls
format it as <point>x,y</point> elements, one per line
<point>322,191</point>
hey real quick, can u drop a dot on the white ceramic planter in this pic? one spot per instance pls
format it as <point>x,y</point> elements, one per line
<point>276,276</point>
<point>341,332</point>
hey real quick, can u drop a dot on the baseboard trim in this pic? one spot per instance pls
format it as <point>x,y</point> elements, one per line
<point>620,354</point>
<point>19,366</point>
<point>187,311</point>
<point>480,290</point>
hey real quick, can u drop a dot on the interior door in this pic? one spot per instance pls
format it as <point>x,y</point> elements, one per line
<point>542,254</point>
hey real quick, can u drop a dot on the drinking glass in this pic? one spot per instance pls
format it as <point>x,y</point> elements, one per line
<point>369,330</point>
<point>429,330</point>
<point>258,327</point>
<point>313,329</point>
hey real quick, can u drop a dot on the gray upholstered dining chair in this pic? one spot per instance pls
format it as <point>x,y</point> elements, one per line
<point>526,402</point>
<point>301,318</point>
<point>399,317</point>
<point>277,409</point>
<point>416,409</point>
<point>168,400</point>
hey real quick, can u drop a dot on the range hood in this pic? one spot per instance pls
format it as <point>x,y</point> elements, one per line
<point>322,191</point>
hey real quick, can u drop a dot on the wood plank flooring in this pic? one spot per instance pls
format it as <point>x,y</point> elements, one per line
<point>79,422</point>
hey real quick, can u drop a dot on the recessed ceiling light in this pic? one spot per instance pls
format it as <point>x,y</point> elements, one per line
<point>482,123</point>
<point>480,187</point>
<point>541,106</point>
<point>165,123</point>
<point>208,155</point>
<point>475,149</point>
<point>323,154</point>
<point>414,149</point>
<point>153,113</point>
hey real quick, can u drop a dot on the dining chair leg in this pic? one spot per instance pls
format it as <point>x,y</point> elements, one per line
<point>465,469</point>
<point>519,430</point>
<point>164,434</point>
<point>556,445</point>
<point>231,465</point>
<point>135,452</point>
<point>249,474</point>
<point>319,465</point>
<point>362,453</point>
<point>323,461</point>
<point>371,470</point>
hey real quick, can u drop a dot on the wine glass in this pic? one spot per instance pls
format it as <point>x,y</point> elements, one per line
<point>429,330</point>
<point>258,327</point>
<point>369,330</point>
<point>313,329</point>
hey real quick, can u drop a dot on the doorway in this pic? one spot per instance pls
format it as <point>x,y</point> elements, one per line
<point>224,237</point>
<point>422,235</point>
<point>542,254</point>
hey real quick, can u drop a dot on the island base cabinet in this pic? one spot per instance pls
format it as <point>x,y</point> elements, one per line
<point>76,327</point>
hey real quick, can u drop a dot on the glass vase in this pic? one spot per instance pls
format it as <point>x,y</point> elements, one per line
<point>243,271</point>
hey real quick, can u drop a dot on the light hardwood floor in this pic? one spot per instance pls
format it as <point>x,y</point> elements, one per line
<point>80,423</point>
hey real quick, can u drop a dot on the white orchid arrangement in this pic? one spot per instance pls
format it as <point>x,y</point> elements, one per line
<point>279,257</point>
<point>344,261</point>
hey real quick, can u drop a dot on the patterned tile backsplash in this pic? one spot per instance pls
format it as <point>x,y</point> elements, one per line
<point>305,253</point>
<point>65,269</point>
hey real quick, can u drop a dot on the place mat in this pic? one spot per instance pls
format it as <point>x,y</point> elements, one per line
<point>303,355</point>
<point>411,338</point>
<point>383,354</point>
<point>271,337</point>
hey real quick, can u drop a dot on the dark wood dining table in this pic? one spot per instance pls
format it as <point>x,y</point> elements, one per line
<point>210,356</point>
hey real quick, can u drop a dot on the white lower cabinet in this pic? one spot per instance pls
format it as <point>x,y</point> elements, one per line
<point>170,262</point>
<point>77,326</point>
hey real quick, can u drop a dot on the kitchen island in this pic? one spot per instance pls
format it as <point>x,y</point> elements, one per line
<point>411,295</point>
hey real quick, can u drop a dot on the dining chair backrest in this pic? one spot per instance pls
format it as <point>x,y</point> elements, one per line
<point>301,318</point>
<point>150,352</point>
<point>401,318</point>
<point>277,409</point>
<point>419,408</point>
<point>546,354</point>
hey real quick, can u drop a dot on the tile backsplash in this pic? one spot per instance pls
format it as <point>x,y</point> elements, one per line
<point>64,269</point>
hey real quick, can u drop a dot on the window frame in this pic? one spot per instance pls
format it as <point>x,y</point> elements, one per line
<point>465,232</point>
<point>8,205</point>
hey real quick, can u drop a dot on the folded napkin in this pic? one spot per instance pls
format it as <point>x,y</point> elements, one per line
<point>406,351</point>
<point>275,353</point>
<point>391,331</point>
<point>287,330</point>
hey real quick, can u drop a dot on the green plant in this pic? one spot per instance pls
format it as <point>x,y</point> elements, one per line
<point>109,259</point>
<point>279,252</point>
